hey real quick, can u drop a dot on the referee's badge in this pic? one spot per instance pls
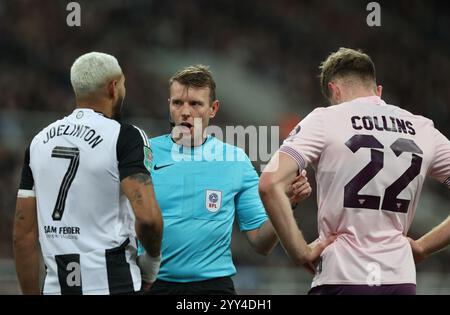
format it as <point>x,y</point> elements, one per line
<point>213,200</point>
<point>148,158</point>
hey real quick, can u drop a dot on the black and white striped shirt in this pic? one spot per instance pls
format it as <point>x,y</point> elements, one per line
<point>86,225</point>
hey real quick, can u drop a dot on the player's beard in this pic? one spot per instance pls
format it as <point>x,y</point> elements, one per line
<point>117,109</point>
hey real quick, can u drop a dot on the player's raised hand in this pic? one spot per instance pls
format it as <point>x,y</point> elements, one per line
<point>300,188</point>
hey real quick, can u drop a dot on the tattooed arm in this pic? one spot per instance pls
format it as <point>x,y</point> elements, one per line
<point>25,243</point>
<point>149,225</point>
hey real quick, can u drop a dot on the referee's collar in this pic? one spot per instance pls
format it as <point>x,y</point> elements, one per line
<point>207,139</point>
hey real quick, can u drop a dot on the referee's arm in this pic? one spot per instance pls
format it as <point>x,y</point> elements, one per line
<point>252,216</point>
<point>264,238</point>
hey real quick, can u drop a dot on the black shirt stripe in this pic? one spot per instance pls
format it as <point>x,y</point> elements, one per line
<point>120,280</point>
<point>27,180</point>
<point>130,151</point>
<point>69,274</point>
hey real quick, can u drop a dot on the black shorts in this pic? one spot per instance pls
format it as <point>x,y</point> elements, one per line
<point>216,286</point>
<point>339,289</point>
<point>130,293</point>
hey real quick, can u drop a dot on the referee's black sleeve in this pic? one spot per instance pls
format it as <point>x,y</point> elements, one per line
<point>132,151</point>
<point>27,180</point>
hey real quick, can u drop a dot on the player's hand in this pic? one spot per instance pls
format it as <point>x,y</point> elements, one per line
<point>300,188</point>
<point>149,267</point>
<point>316,249</point>
<point>417,250</point>
<point>145,287</point>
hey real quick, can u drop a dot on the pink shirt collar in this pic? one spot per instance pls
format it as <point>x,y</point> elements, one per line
<point>372,99</point>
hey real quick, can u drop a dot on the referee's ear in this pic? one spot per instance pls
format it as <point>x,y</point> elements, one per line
<point>214,108</point>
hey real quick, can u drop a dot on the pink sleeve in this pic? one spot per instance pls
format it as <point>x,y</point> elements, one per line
<point>307,140</point>
<point>440,167</point>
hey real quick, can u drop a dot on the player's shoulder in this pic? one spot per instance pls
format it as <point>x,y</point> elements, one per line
<point>317,115</point>
<point>131,128</point>
<point>405,114</point>
<point>42,134</point>
<point>129,131</point>
<point>320,110</point>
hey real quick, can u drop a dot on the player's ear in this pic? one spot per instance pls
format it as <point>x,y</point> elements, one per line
<point>379,90</point>
<point>214,109</point>
<point>112,89</point>
<point>335,92</point>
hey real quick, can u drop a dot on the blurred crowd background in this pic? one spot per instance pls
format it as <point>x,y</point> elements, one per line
<point>264,56</point>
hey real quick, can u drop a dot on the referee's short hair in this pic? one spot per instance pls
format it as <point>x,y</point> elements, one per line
<point>346,62</point>
<point>91,71</point>
<point>197,76</point>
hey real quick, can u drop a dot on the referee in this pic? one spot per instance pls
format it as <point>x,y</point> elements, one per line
<point>201,185</point>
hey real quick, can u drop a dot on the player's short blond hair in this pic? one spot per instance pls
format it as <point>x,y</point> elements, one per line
<point>346,62</point>
<point>91,71</point>
<point>197,76</point>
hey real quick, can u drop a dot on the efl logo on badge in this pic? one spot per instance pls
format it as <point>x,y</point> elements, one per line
<point>213,200</point>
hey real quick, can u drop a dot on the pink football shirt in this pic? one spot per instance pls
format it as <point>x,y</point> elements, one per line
<point>371,160</point>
